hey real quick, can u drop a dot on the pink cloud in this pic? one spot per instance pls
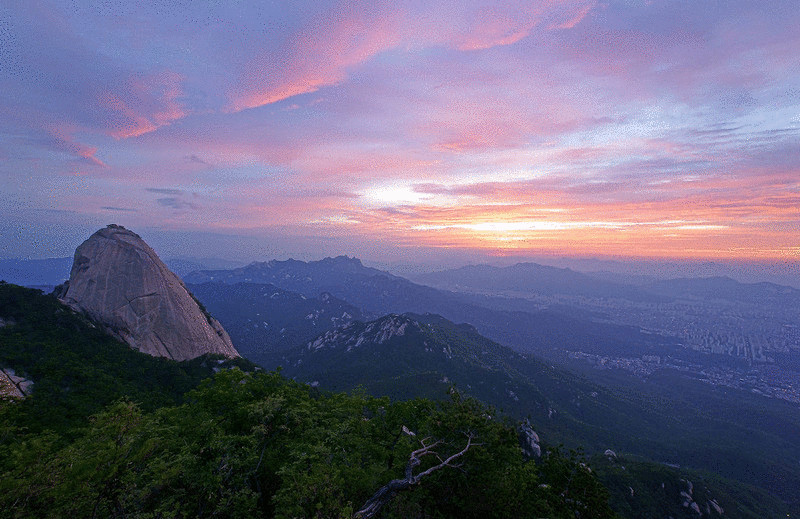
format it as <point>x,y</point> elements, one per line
<point>492,27</point>
<point>145,104</point>
<point>318,57</point>
<point>576,19</point>
<point>352,35</point>
<point>61,139</point>
<point>507,24</point>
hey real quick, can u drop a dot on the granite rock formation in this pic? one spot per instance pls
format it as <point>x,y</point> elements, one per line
<point>118,280</point>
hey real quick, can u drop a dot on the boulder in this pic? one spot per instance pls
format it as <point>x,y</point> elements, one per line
<point>8,389</point>
<point>529,440</point>
<point>119,281</point>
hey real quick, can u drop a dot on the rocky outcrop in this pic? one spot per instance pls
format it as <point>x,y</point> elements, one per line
<point>375,332</point>
<point>12,385</point>
<point>118,280</point>
<point>529,440</point>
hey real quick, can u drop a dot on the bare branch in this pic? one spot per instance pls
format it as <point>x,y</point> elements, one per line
<point>387,492</point>
<point>445,462</point>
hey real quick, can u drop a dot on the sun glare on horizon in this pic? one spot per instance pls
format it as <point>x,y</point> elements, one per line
<point>655,129</point>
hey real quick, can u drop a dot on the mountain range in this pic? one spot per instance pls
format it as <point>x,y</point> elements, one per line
<point>517,322</point>
<point>668,416</point>
<point>515,338</point>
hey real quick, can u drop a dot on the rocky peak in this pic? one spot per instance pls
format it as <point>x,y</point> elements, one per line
<point>354,335</point>
<point>118,280</point>
<point>343,261</point>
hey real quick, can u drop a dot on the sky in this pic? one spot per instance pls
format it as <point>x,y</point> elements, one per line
<point>403,130</point>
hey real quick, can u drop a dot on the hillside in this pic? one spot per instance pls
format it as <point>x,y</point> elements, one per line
<point>77,368</point>
<point>264,320</point>
<point>515,322</point>
<point>112,432</point>
<point>420,355</point>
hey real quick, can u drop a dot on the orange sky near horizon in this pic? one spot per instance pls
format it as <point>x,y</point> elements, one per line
<point>630,129</point>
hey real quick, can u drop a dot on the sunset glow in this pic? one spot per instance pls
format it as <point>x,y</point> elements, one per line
<point>575,127</point>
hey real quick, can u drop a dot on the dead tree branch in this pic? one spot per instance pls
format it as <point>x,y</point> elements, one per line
<point>387,492</point>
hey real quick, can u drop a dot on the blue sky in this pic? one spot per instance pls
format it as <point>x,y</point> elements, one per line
<point>394,129</point>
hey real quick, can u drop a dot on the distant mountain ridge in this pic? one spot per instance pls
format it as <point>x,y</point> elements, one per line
<point>723,287</point>
<point>548,281</point>
<point>307,278</point>
<point>532,277</point>
<point>750,322</point>
<point>50,271</point>
<point>515,322</point>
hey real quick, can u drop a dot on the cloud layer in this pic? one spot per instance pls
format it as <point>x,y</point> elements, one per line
<point>634,128</point>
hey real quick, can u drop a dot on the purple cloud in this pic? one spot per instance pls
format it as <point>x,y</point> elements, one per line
<point>384,116</point>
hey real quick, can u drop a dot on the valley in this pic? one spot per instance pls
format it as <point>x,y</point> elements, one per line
<point>739,335</point>
<point>679,396</point>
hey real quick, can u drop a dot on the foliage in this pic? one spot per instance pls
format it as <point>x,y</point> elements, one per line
<point>644,489</point>
<point>667,418</point>
<point>258,445</point>
<point>111,432</point>
<point>78,368</point>
<point>255,444</point>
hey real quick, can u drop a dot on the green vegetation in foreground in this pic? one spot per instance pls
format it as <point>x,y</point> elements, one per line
<point>111,432</point>
<point>257,445</point>
<point>78,368</point>
<point>640,488</point>
<point>748,439</point>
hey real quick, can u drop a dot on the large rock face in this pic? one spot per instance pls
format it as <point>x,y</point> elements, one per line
<point>119,280</point>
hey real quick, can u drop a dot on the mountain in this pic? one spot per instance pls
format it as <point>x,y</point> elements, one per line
<point>727,289</point>
<point>516,322</point>
<point>118,280</point>
<point>308,278</point>
<point>264,320</point>
<point>109,431</point>
<point>666,406</point>
<point>524,278</point>
<point>183,266</point>
<point>668,420</point>
<point>413,355</point>
<point>77,368</point>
